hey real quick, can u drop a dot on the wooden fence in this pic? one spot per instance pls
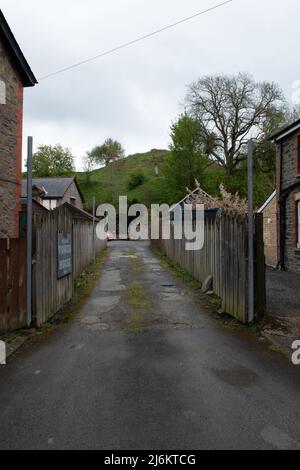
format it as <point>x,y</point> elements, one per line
<point>13,307</point>
<point>224,257</point>
<point>51,293</point>
<point>85,245</point>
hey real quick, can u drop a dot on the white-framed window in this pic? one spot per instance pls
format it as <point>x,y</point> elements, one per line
<point>2,92</point>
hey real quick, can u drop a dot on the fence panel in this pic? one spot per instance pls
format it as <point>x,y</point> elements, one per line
<point>50,292</point>
<point>85,246</point>
<point>13,264</point>
<point>224,257</point>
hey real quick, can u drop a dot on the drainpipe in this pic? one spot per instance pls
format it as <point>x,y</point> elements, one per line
<point>29,231</point>
<point>282,206</point>
<point>281,215</point>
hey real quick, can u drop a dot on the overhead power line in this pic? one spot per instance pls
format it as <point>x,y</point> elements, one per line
<point>134,41</point>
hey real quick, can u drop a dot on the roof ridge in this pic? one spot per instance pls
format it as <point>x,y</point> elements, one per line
<point>25,71</point>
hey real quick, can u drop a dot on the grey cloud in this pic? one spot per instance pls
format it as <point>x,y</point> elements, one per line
<point>134,94</point>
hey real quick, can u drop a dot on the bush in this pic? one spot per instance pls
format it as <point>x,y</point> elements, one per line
<point>135,180</point>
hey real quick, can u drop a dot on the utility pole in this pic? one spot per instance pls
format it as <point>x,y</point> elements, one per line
<point>250,234</point>
<point>29,230</point>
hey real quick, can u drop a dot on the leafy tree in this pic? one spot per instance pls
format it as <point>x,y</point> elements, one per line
<point>51,161</point>
<point>107,153</point>
<point>88,166</point>
<point>229,109</point>
<point>186,162</point>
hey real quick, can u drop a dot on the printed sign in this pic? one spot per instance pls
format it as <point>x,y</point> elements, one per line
<point>64,254</point>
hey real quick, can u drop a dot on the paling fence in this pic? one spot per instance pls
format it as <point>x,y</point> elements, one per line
<point>51,290</point>
<point>85,245</point>
<point>225,258</point>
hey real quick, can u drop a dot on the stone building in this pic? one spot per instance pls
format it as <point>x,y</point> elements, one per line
<point>15,75</point>
<point>288,196</point>
<point>54,192</point>
<point>269,211</point>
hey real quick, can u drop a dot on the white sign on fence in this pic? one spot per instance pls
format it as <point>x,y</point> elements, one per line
<point>2,353</point>
<point>64,254</point>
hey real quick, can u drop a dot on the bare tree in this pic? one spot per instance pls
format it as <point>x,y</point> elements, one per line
<point>229,110</point>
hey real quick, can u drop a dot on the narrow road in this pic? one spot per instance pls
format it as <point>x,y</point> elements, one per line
<point>144,367</point>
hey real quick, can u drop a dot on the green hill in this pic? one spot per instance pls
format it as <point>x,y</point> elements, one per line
<point>139,177</point>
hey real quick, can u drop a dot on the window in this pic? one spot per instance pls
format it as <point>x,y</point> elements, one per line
<point>2,92</point>
<point>73,201</point>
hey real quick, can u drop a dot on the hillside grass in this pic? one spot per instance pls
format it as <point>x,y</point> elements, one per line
<point>108,183</point>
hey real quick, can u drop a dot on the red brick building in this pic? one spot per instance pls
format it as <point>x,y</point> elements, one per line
<point>15,75</point>
<point>288,196</point>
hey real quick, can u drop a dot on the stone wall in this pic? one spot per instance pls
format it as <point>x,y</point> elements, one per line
<point>290,177</point>
<point>292,253</point>
<point>289,162</point>
<point>11,115</point>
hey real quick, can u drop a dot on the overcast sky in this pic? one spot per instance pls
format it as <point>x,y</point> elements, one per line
<point>134,94</point>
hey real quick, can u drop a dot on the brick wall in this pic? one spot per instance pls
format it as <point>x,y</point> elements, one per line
<point>11,115</point>
<point>270,233</point>
<point>289,177</point>
<point>289,162</point>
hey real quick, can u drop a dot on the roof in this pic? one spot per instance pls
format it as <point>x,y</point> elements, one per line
<point>79,213</point>
<point>55,188</point>
<point>16,54</point>
<point>270,199</point>
<point>286,132</point>
<point>36,205</point>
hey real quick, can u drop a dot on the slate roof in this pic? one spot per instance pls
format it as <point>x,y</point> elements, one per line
<point>286,132</point>
<point>55,188</point>
<point>15,53</point>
